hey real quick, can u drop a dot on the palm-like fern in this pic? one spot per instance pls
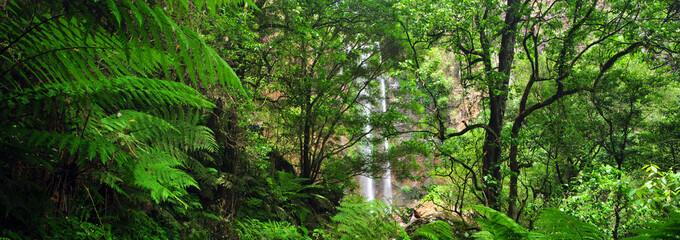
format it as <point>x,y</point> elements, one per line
<point>559,225</point>
<point>93,41</point>
<point>665,228</point>
<point>552,224</point>
<point>434,231</point>
<point>149,145</point>
<point>371,220</point>
<point>496,225</point>
<point>99,86</point>
<point>158,147</point>
<point>254,229</point>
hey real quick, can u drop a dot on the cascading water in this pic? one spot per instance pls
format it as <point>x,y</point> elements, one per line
<point>365,148</point>
<point>368,183</point>
<point>387,178</point>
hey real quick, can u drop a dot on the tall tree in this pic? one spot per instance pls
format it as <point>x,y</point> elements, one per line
<point>570,47</point>
<point>317,59</point>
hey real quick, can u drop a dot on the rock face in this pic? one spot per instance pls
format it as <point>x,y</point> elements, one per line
<point>463,107</point>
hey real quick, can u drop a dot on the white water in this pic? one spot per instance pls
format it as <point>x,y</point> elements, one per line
<point>367,183</point>
<point>365,148</point>
<point>387,178</point>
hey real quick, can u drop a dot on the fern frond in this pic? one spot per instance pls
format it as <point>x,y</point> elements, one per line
<point>139,125</point>
<point>665,228</point>
<point>212,6</point>
<point>190,136</point>
<point>114,93</point>
<point>40,139</point>
<point>173,137</point>
<point>200,172</point>
<point>55,48</point>
<point>183,46</point>
<point>370,220</point>
<point>112,180</point>
<point>484,235</point>
<point>497,225</point>
<point>156,172</point>
<point>559,225</point>
<point>60,48</point>
<point>94,72</point>
<point>434,231</point>
<point>254,229</point>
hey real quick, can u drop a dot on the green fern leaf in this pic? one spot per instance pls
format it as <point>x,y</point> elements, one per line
<point>498,226</point>
<point>62,50</point>
<point>87,70</point>
<point>559,225</point>
<point>434,231</point>
<point>665,228</point>
<point>371,220</point>
<point>113,7</point>
<point>156,173</point>
<point>41,139</point>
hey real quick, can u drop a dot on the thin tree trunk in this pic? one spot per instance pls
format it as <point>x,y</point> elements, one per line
<point>491,173</point>
<point>506,56</point>
<point>305,146</point>
<point>492,155</point>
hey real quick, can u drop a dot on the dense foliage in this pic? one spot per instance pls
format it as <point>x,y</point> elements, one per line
<point>209,119</point>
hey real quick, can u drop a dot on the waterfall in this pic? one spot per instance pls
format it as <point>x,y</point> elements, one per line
<point>387,178</point>
<point>368,183</point>
<point>366,148</point>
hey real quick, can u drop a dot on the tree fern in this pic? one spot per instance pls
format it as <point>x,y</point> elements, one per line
<point>60,47</point>
<point>159,149</point>
<point>156,172</point>
<point>129,138</point>
<point>102,95</point>
<point>558,225</point>
<point>552,224</point>
<point>665,228</point>
<point>95,83</point>
<point>254,229</point>
<point>433,231</point>
<point>371,220</point>
<point>96,148</point>
<point>498,226</point>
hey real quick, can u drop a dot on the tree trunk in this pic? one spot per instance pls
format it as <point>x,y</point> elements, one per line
<point>506,56</point>
<point>491,174</point>
<point>498,95</point>
<point>305,142</point>
<point>492,152</point>
<point>514,170</point>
